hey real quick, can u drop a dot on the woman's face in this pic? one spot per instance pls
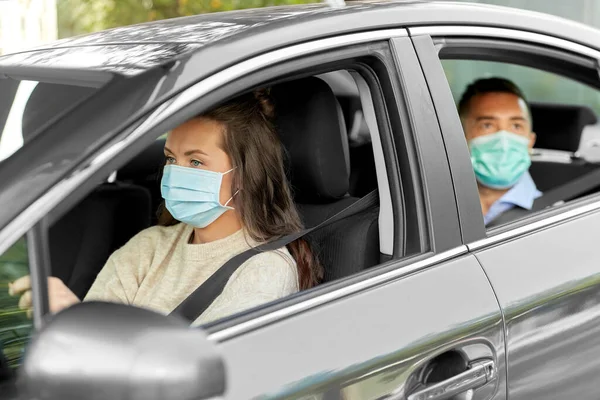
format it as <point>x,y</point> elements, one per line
<point>197,144</point>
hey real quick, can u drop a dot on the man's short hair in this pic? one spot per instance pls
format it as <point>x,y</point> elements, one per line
<point>489,85</point>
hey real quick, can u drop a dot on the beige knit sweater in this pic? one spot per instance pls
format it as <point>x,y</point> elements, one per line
<point>158,269</point>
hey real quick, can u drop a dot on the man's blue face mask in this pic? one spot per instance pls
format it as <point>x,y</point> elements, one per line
<point>500,159</point>
<point>192,195</point>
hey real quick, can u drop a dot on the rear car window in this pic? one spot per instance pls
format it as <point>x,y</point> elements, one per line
<point>26,106</point>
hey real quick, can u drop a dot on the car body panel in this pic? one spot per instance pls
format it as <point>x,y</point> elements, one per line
<point>389,332</point>
<point>549,288</point>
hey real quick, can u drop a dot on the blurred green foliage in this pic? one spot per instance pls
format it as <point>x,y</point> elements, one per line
<point>77,17</point>
<point>15,327</point>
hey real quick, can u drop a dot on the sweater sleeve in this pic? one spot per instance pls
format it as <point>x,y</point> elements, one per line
<point>261,279</point>
<point>118,280</point>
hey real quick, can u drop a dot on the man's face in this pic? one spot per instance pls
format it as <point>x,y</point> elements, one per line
<point>489,113</point>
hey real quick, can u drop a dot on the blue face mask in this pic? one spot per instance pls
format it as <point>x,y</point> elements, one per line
<point>192,195</point>
<point>500,159</point>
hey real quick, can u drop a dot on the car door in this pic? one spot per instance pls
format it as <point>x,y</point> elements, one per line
<point>544,268</point>
<point>386,332</point>
<point>425,323</point>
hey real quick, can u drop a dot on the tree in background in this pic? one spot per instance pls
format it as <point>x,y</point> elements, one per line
<point>77,17</point>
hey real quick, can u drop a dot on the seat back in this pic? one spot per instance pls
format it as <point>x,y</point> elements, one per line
<point>145,170</point>
<point>560,126</point>
<point>82,240</point>
<point>548,175</point>
<point>313,134</point>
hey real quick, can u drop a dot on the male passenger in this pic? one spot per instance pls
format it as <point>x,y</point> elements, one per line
<point>497,124</point>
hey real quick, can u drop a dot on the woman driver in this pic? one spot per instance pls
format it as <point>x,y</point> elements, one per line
<point>225,191</point>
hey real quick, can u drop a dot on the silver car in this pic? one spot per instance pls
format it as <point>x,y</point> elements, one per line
<point>419,301</point>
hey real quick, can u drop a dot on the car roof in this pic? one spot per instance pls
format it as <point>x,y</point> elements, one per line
<point>134,49</point>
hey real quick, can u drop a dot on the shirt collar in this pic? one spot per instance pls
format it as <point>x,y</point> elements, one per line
<point>522,194</point>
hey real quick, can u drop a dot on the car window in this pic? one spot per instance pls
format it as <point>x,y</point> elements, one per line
<point>26,105</point>
<point>15,326</point>
<point>564,116</point>
<point>82,239</point>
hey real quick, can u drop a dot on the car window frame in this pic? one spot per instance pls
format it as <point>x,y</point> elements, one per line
<point>38,260</point>
<point>176,110</point>
<point>428,41</point>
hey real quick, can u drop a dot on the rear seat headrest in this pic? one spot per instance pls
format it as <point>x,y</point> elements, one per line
<point>560,126</point>
<point>146,165</point>
<point>307,118</point>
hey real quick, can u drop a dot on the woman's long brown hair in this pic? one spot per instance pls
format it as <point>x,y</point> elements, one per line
<point>264,201</point>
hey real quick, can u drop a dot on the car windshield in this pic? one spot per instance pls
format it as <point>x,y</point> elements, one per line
<point>26,105</point>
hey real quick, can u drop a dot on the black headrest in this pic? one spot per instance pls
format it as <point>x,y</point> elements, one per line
<point>559,126</point>
<point>146,165</point>
<point>310,123</point>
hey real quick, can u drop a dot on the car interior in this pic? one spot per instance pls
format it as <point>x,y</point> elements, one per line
<point>324,113</point>
<point>559,128</point>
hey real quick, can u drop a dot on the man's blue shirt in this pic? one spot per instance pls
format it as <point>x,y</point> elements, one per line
<point>522,194</point>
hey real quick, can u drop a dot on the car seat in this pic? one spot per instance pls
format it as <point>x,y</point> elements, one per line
<point>312,131</point>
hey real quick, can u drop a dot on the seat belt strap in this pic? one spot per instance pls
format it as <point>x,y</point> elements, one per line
<point>201,298</point>
<point>568,191</point>
<point>564,192</point>
<point>508,216</point>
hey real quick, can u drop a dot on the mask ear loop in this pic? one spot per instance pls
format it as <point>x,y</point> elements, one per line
<point>231,198</point>
<point>236,192</point>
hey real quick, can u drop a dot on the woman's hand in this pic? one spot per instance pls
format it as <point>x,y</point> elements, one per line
<point>59,295</point>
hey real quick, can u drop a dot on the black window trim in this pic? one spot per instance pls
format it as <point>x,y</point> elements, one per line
<point>38,253</point>
<point>432,144</point>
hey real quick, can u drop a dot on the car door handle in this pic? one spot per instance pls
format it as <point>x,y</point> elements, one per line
<point>478,375</point>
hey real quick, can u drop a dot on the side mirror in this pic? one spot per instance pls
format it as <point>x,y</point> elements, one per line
<point>97,350</point>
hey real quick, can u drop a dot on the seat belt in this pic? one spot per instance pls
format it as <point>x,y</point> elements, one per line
<point>508,216</point>
<point>568,190</point>
<point>562,193</point>
<point>201,298</point>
